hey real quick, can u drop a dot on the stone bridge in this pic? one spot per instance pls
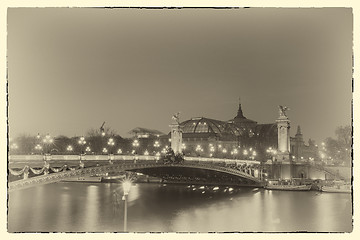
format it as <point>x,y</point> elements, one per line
<point>50,169</point>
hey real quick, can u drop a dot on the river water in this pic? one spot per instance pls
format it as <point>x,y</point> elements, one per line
<point>153,207</point>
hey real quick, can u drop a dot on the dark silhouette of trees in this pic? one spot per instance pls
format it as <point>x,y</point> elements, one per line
<point>339,149</point>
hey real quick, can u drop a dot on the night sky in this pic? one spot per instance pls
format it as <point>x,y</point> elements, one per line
<point>71,69</point>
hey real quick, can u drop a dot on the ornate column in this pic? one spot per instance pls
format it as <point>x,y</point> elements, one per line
<point>26,172</point>
<point>283,125</point>
<point>46,167</point>
<point>176,134</point>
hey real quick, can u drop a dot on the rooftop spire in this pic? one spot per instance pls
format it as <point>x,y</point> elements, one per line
<point>298,132</point>
<point>240,113</point>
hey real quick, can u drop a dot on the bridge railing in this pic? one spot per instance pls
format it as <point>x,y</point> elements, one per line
<point>15,158</point>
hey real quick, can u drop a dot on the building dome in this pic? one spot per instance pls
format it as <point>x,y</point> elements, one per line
<point>209,126</point>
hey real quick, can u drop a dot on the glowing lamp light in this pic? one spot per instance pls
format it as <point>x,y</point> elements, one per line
<point>126,186</point>
<point>156,144</point>
<point>82,141</point>
<point>136,143</point>
<point>119,151</point>
<point>14,146</point>
<point>38,147</point>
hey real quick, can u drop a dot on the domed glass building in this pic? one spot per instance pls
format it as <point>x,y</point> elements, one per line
<point>236,138</point>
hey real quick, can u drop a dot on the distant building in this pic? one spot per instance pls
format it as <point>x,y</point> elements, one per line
<point>240,138</point>
<point>301,151</point>
<point>145,133</point>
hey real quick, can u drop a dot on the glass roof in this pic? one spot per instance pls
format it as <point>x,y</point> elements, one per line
<point>207,125</point>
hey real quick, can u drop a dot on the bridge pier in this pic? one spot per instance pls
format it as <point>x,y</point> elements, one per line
<point>81,164</point>
<point>46,166</point>
<point>26,172</point>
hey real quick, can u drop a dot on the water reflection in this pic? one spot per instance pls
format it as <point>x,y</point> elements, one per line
<point>85,207</point>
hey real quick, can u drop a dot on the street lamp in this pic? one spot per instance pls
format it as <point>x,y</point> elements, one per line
<point>199,149</point>
<point>163,150</point>
<point>234,152</point>
<point>48,140</point>
<point>135,144</point>
<point>69,148</point>
<point>104,150</point>
<point>111,144</point>
<point>14,146</point>
<point>126,188</point>
<point>88,149</point>
<point>245,153</point>
<point>38,147</point>
<point>82,142</point>
<point>156,144</point>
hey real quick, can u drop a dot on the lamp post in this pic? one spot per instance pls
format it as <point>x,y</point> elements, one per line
<point>126,188</point>
<point>69,148</point>
<point>135,144</point>
<point>48,140</point>
<point>199,150</point>
<point>111,144</point>
<point>156,144</point>
<point>81,142</point>
<point>14,146</point>
<point>38,147</point>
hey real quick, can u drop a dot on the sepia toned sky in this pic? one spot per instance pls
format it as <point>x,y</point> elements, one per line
<point>71,69</point>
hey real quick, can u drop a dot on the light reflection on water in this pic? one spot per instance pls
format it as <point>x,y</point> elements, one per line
<point>86,207</point>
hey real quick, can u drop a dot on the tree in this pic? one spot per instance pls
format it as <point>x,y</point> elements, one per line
<point>107,131</point>
<point>339,149</point>
<point>344,135</point>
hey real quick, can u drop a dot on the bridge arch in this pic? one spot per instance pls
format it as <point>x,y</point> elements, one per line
<point>117,168</point>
